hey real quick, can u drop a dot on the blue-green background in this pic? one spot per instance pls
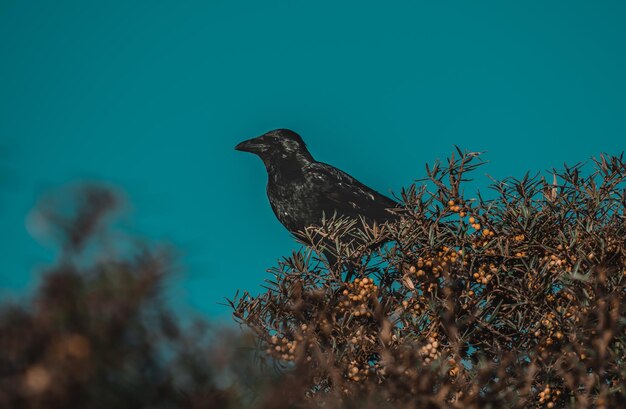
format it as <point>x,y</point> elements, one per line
<point>153,95</point>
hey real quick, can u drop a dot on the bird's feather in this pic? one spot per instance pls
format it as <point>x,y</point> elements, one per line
<point>343,194</point>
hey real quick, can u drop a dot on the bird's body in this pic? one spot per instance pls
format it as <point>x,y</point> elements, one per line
<point>301,197</point>
<point>302,191</point>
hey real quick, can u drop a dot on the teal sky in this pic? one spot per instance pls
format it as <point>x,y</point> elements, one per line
<point>152,96</point>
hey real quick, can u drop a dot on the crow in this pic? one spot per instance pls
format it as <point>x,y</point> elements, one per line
<point>302,190</point>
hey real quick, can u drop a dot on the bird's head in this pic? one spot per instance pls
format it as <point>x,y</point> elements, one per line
<point>276,146</point>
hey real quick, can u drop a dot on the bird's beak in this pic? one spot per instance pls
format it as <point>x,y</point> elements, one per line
<point>255,145</point>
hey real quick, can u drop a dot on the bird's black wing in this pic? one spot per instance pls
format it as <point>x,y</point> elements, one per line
<point>341,193</point>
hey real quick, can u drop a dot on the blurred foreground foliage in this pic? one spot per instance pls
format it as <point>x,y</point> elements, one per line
<point>513,301</point>
<point>98,334</point>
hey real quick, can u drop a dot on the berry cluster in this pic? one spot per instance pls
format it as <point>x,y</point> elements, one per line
<point>282,348</point>
<point>429,351</point>
<point>357,372</point>
<point>550,328</point>
<point>549,396</point>
<point>356,297</point>
<point>556,262</point>
<point>432,265</point>
<point>474,223</point>
<point>415,306</point>
<point>485,273</point>
<point>457,208</point>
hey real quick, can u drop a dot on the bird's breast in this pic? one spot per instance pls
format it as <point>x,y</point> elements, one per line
<point>292,205</point>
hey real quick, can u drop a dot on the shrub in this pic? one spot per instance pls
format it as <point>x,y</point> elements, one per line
<point>515,300</point>
<point>97,334</point>
<point>511,301</point>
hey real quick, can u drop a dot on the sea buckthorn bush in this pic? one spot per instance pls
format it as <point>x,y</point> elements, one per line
<point>96,333</point>
<point>513,299</point>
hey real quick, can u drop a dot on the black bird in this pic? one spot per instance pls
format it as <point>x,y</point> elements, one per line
<point>301,190</point>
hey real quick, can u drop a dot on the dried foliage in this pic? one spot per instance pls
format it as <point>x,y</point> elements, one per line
<point>516,300</point>
<point>512,301</point>
<point>98,334</point>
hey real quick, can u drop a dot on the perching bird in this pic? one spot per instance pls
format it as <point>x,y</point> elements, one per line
<point>302,190</point>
